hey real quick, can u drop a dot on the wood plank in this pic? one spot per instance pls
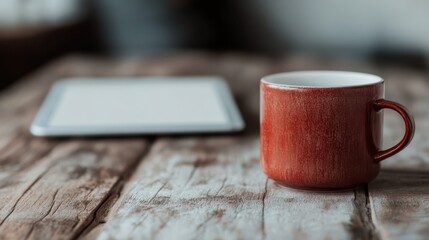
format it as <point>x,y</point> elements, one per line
<point>19,152</point>
<point>399,200</point>
<point>400,195</point>
<point>54,187</point>
<point>213,188</point>
<point>59,195</point>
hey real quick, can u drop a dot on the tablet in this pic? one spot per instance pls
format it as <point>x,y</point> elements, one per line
<point>145,105</point>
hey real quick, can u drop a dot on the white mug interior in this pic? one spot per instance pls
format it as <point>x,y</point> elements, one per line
<point>321,79</point>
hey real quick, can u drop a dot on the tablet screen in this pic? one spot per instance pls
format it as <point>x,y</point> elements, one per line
<point>145,104</point>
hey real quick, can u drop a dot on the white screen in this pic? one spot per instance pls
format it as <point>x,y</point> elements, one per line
<point>139,102</point>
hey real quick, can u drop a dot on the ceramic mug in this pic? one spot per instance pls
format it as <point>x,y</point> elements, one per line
<point>323,129</point>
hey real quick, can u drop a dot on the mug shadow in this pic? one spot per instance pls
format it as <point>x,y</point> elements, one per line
<point>414,181</point>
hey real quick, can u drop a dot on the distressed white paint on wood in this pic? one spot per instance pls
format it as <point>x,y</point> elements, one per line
<point>213,188</point>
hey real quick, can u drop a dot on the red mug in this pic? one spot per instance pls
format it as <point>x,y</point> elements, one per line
<point>322,130</point>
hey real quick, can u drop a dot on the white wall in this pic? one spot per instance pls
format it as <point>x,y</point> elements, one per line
<point>15,13</point>
<point>342,26</point>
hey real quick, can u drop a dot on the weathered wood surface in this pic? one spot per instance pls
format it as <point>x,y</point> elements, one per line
<point>400,196</point>
<point>201,187</point>
<point>52,188</point>
<point>213,188</point>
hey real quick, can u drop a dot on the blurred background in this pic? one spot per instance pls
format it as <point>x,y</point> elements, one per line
<point>33,32</point>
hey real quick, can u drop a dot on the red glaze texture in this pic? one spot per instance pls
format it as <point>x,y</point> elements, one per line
<point>321,138</point>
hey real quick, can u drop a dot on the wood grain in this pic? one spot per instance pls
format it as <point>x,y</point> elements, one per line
<point>203,187</point>
<point>399,196</point>
<point>193,188</point>
<point>59,195</point>
<point>53,188</point>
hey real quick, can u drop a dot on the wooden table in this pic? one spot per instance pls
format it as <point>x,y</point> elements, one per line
<point>198,187</point>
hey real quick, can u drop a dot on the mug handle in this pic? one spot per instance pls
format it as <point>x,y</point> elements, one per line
<point>409,128</point>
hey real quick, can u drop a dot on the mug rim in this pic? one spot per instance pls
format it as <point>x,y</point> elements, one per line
<point>295,79</point>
